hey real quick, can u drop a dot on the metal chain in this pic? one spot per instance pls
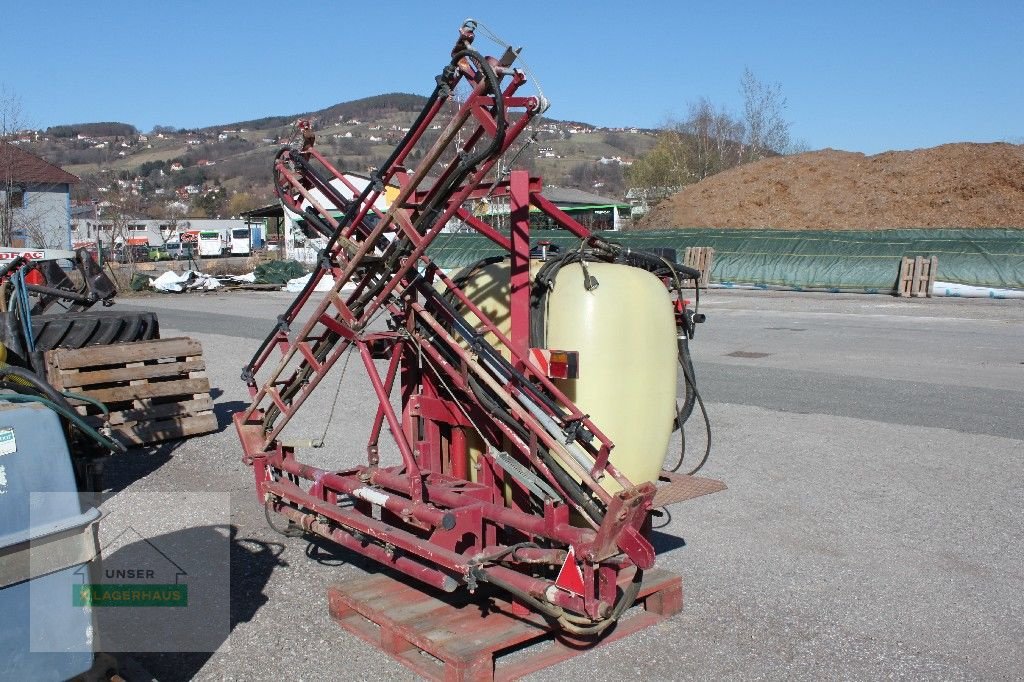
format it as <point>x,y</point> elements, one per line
<point>493,37</point>
<point>337,393</point>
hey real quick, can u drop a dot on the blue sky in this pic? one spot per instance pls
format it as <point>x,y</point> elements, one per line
<point>863,76</point>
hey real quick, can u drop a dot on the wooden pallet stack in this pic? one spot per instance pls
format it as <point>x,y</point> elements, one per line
<point>155,390</point>
<point>917,276</point>
<point>700,258</point>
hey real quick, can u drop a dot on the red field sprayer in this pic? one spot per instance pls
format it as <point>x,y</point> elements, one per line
<point>537,391</point>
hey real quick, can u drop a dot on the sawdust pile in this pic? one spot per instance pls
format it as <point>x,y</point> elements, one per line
<point>953,185</point>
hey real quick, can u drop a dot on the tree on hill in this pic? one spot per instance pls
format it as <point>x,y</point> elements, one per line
<point>105,129</point>
<point>710,139</point>
<point>240,202</point>
<point>210,203</point>
<point>766,132</point>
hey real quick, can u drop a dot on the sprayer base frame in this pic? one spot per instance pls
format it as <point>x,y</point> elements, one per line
<point>461,637</point>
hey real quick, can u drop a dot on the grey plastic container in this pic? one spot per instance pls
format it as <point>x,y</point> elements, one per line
<point>46,541</point>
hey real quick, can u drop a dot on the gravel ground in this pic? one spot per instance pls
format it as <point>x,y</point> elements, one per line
<point>871,527</point>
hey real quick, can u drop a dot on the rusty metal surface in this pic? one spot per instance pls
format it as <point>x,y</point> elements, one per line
<point>674,488</point>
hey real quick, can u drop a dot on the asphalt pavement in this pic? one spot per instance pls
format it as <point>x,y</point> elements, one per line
<point>871,529</point>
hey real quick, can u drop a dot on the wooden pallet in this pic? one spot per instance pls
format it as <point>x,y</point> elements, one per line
<point>700,258</point>
<point>917,276</point>
<point>458,638</point>
<point>155,390</point>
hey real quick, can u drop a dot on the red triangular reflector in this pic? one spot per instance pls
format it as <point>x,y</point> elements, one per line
<point>570,577</point>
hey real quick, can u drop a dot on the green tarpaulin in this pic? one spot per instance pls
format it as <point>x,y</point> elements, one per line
<point>863,260</point>
<point>278,271</point>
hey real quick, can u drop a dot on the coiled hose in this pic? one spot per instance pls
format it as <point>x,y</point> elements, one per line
<point>47,395</point>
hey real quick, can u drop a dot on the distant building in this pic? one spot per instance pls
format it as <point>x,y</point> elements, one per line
<point>590,210</point>
<point>90,225</point>
<point>271,220</point>
<point>35,198</point>
<point>287,232</point>
<point>643,199</point>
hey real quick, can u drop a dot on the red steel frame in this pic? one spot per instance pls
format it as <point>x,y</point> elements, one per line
<point>429,516</point>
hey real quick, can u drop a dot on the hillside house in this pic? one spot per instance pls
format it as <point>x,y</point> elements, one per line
<point>35,200</point>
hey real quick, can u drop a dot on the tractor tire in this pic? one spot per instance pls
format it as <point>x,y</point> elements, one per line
<point>93,328</point>
<point>77,330</point>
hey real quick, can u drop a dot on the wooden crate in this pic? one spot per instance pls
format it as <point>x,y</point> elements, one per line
<point>155,390</point>
<point>700,258</point>
<point>458,637</point>
<point>917,276</point>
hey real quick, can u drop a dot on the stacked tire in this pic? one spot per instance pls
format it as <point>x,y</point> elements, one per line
<point>90,328</point>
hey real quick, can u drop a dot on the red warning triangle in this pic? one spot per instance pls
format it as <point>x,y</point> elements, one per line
<point>570,577</point>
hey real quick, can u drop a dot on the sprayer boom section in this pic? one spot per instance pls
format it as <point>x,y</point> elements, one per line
<point>502,478</point>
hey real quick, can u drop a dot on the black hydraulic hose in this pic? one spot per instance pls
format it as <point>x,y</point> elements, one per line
<point>54,399</point>
<point>647,261</point>
<point>41,387</point>
<point>571,486</point>
<point>429,213</point>
<point>11,265</point>
<point>480,346</point>
<point>493,406</point>
<point>331,193</point>
<point>467,164</point>
<point>571,624</point>
<point>70,415</point>
<point>575,490</point>
<point>323,184</point>
<point>463,276</point>
<point>316,222</point>
<point>542,285</point>
<point>443,87</point>
<point>290,530</point>
<point>689,378</point>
